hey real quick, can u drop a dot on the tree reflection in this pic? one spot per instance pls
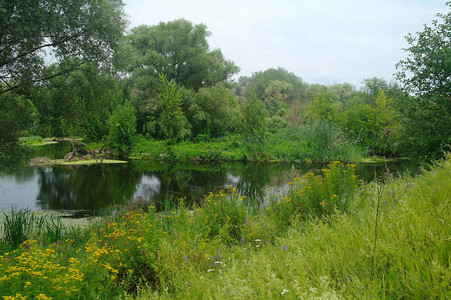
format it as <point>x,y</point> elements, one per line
<point>85,187</point>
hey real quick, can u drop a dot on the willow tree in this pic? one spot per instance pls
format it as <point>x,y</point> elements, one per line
<point>178,50</point>
<point>32,31</point>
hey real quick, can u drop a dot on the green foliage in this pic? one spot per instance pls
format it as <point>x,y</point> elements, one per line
<point>254,119</point>
<point>224,216</point>
<point>171,120</point>
<point>213,111</point>
<point>178,50</point>
<point>327,142</point>
<point>16,227</point>
<point>253,126</point>
<point>342,92</point>
<point>274,82</point>
<point>316,195</point>
<point>323,108</point>
<point>122,124</point>
<point>22,225</point>
<point>78,103</point>
<point>30,140</point>
<point>207,150</point>
<point>425,73</point>
<point>183,46</point>
<point>87,31</point>
<point>426,70</point>
<point>381,126</point>
<point>319,141</point>
<point>17,114</point>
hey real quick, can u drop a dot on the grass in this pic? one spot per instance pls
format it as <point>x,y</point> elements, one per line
<point>315,241</point>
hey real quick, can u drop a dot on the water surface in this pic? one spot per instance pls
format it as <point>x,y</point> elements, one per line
<point>98,186</point>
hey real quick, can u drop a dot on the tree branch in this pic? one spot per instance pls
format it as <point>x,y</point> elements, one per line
<point>62,72</point>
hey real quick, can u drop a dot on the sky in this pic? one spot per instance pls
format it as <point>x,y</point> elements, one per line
<point>321,41</point>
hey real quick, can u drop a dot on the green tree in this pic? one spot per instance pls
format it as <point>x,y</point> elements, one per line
<point>275,81</point>
<point>253,126</point>
<point>17,113</point>
<point>323,108</point>
<point>213,111</point>
<point>122,128</point>
<point>381,126</point>
<point>342,92</point>
<point>426,75</point>
<point>180,51</point>
<point>77,103</point>
<point>172,121</point>
<point>85,30</point>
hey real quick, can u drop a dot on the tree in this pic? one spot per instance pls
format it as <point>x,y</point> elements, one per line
<point>213,111</point>
<point>381,126</point>
<point>179,50</point>
<point>172,121</point>
<point>253,125</point>
<point>122,124</point>
<point>84,30</point>
<point>426,75</point>
<point>323,108</point>
<point>280,81</point>
<point>82,101</point>
<point>17,113</point>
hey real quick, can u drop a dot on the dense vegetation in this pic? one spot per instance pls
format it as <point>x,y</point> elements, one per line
<point>164,84</point>
<point>327,237</point>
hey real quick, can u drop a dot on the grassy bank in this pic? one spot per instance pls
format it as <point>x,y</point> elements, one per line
<point>311,143</point>
<point>327,237</point>
<point>315,142</point>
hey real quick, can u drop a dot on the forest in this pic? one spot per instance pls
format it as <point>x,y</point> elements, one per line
<point>160,92</point>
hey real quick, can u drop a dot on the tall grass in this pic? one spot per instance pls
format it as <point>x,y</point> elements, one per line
<point>21,225</point>
<point>330,258</point>
<point>17,227</point>
<point>318,141</point>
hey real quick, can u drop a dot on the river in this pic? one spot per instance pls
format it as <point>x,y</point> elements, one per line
<point>92,188</point>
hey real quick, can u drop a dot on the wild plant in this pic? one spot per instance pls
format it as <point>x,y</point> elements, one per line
<point>17,226</point>
<point>225,214</point>
<point>317,194</point>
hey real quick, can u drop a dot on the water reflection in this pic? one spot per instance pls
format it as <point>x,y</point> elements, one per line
<point>99,186</point>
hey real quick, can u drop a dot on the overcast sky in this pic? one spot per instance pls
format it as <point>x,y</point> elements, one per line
<point>321,41</point>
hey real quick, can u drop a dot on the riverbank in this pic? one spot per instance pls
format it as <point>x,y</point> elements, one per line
<point>275,147</point>
<point>309,145</point>
<point>315,241</point>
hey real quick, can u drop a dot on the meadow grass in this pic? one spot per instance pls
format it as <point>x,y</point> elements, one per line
<point>316,241</point>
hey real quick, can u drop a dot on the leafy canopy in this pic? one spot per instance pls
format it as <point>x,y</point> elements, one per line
<point>82,30</point>
<point>179,50</point>
<point>426,71</point>
<point>426,75</point>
